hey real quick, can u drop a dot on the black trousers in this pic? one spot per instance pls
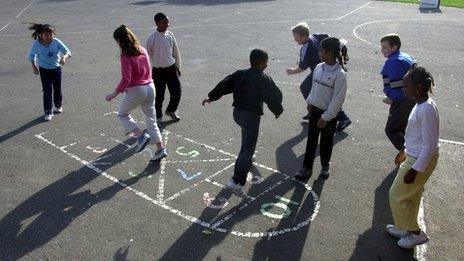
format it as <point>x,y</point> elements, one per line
<point>162,77</point>
<point>327,137</point>
<point>397,122</point>
<point>51,86</point>
<point>249,123</point>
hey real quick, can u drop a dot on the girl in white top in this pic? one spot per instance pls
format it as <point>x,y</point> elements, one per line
<point>416,161</point>
<point>324,102</point>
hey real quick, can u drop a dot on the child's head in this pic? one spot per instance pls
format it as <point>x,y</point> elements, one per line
<point>127,41</point>
<point>389,44</point>
<point>301,33</point>
<point>417,82</point>
<point>161,21</point>
<point>42,32</point>
<point>332,49</point>
<point>258,59</point>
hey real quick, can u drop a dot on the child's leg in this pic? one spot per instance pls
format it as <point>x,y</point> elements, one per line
<point>174,88</point>
<point>405,198</point>
<point>46,79</point>
<point>327,137</point>
<point>132,98</point>
<point>148,108</point>
<point>313,135</point>
<point>57,94</point>
<point>249,123</point>
<point>160,86</point>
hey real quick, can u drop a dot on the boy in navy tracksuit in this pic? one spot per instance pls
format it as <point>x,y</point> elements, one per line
<point>251,88</point>
<point>393,71</point>
<point>309,58</point>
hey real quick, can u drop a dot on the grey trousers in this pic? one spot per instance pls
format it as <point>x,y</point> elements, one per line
<point>249,123</point>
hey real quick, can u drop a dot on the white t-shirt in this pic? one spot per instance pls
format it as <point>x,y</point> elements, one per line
<point>422,133</point>
<point>162,49</point>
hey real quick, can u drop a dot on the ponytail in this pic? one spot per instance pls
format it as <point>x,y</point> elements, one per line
<point>38,29</point>
<point>337,48</point>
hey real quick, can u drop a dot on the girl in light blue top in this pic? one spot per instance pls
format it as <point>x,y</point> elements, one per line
<point>47,55</point>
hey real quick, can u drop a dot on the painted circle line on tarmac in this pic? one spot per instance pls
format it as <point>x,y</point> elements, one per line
<point>159,201</point>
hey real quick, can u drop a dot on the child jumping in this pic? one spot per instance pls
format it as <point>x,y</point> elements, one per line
<point>165,57</point>
<point>309,58</point>
<point>324,103</point>
<point>251,88</point>
<point>393,71</point>
<point>49,54</point>
<point>416,161</point>
<point>137,84</point>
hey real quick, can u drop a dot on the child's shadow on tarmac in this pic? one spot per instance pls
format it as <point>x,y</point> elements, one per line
<point>57,205</point>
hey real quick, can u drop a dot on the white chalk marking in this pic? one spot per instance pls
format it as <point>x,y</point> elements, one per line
<point>354,11</point>
<point>97,150</point>
<point>208,201</point>
<point>421,250</point>
<point>18,15</point>
<point>161,180</point>
<point>197,161</point>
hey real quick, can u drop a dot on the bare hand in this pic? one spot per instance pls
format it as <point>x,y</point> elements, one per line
<point>400,157</point>
<point>410,176</point>
<point>277,116</point>
<point>289,71</point>
<point>63,60</point>
<point>111,96</point>
<point>35,69</point>
<point>178,72</point>
<point>205,102</point>
<point>321,124</point>
<point>309,108</point>
<point>387,100</point>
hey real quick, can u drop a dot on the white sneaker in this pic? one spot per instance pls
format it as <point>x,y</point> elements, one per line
<point>159,155</point>
<point>392,230</point>
<point>48,117</point>
<point>235,188</point>
<point>142,142</point>
<point>58,110</point>
<point>411,240</point>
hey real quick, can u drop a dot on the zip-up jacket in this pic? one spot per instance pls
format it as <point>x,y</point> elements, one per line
<point>251,88</point>
<point>393,71</point>
<point>329,89</point>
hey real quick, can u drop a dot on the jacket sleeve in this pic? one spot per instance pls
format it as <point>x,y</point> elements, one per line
<point>311,57</point>
<point>126,74</point>
<point>32,52</point>
<point>272,96</point>
<point>226,86</point>
<point>176,53</point>
<point>63,48</point>
<point>339,94</point>
<point>395,73</point>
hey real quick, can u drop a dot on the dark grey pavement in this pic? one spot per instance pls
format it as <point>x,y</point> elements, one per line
<point>73,188</point>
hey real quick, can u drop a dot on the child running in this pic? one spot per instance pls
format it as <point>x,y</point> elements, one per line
<point>47,55</point>
<point>137,84</point>
<point>164,55</point>
<point>324,103</point>
<point>393,71</point>
<point>309,58</point>
<point>251,88</point>
<point>416,161</point>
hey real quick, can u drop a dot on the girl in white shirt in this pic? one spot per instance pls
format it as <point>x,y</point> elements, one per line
<point>416,161</point>
<point>324,102</point>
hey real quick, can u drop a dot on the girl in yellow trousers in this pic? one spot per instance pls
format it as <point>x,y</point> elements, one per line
<point>416,161</point>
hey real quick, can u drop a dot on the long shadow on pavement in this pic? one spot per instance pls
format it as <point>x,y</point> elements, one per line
<point>21,129</point>
<point>56,206</point>
<point>375,243</point>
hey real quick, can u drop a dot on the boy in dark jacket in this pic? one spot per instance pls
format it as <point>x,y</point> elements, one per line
<point>251,88</point>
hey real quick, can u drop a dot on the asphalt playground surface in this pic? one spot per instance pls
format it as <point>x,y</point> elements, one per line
<point>74,189</point>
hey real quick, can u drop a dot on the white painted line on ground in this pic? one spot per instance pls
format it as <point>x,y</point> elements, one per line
<point>354,11</point>
<point>452,142</point>
<point>197,161</point>
<point>18,15</point>
<point>180,213</point>
<point>421,250</point>
<point>161,180</point>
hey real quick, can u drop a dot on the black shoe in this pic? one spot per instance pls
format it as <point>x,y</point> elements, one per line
<point>343,124</point>
<point>303,175</point>
<point>325,172</point>
<point>173,116</point>
<point>306,117</point>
